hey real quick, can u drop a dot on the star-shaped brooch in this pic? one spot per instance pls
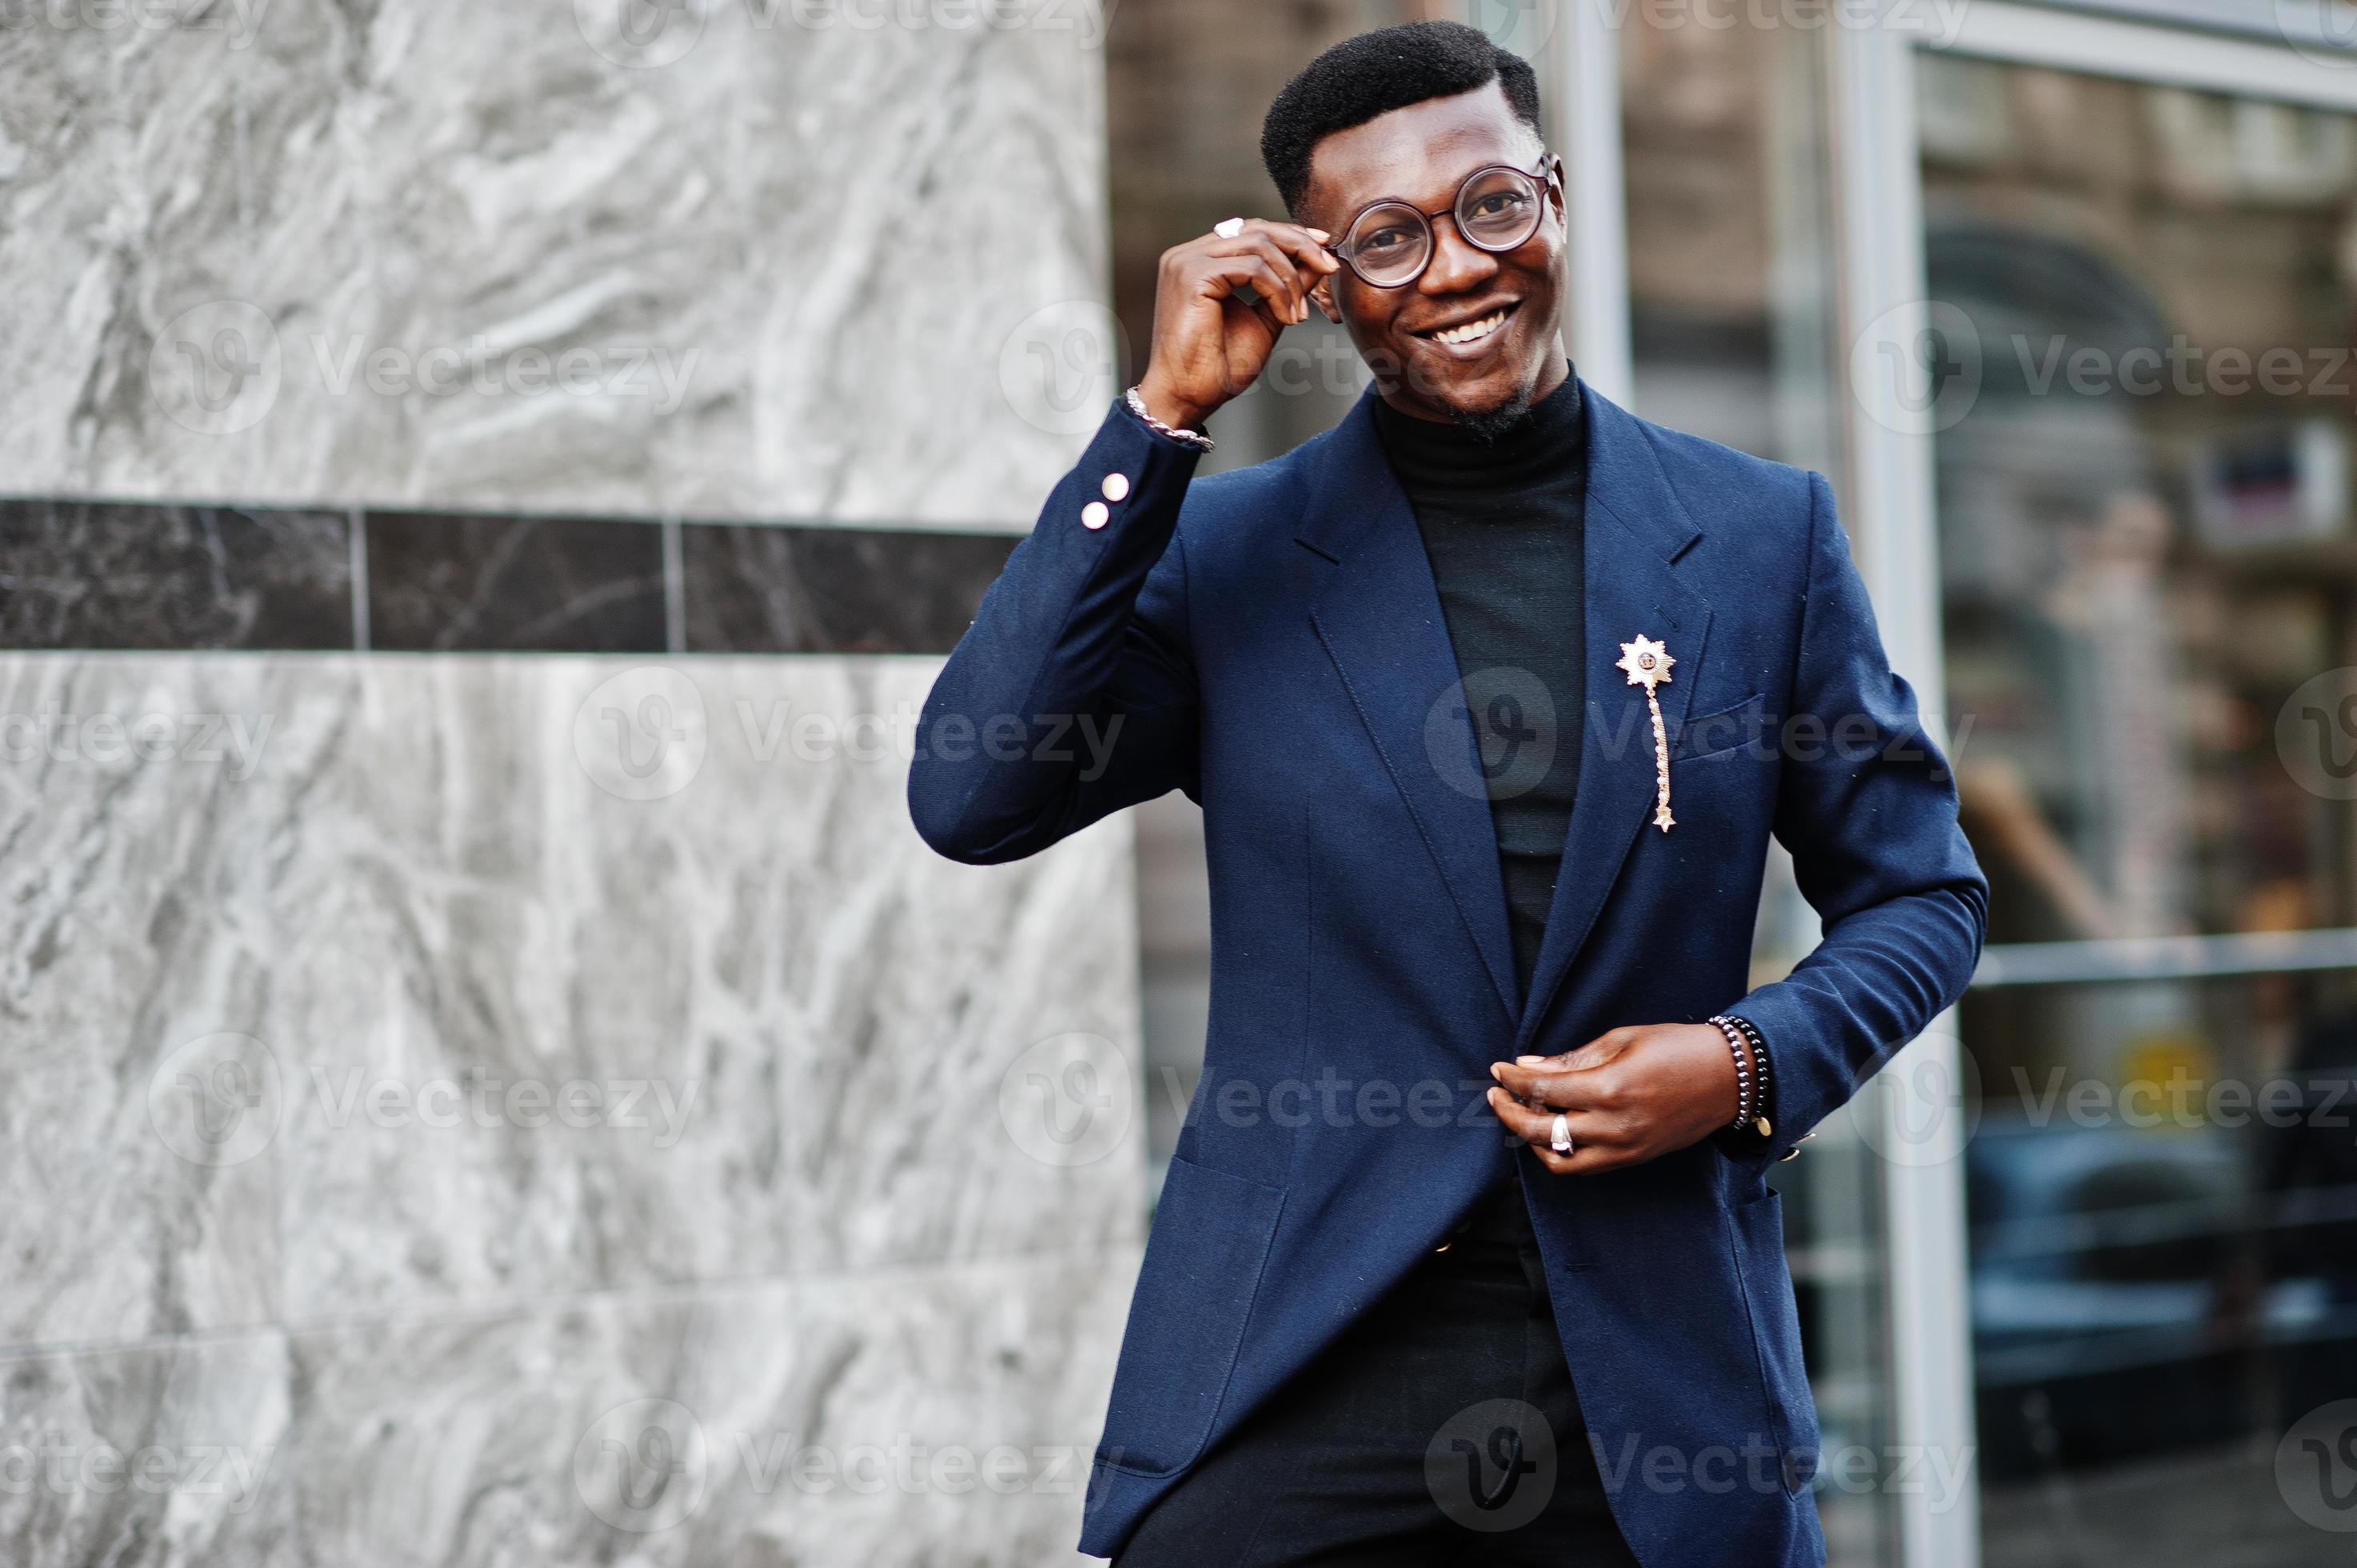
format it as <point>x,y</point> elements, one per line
<point>1647,664</point>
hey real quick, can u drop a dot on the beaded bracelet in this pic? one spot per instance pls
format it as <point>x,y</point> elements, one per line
<point>1737,1047</point>
<point>1767,1102</point>
<point>1194,439</point>
<point>1745,1039</point>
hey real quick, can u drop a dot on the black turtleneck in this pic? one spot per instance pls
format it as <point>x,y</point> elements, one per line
<point>1503,523</point>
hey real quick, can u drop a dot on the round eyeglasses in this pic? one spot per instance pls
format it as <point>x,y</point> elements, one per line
<point>1388,244</point>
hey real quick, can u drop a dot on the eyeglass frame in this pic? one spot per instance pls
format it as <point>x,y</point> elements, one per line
<point>1548,174</point>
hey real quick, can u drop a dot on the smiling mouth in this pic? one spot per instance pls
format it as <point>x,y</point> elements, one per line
<point>1470,332</point>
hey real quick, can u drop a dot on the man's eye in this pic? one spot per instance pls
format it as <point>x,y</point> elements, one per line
<point>1497,204</point>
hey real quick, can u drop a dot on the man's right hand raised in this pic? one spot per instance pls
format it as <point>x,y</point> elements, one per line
<point>1209,343</point>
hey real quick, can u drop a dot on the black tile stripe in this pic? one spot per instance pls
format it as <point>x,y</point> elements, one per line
<point>113,574</point>
<point>756,589</point>
<point>439,582</point>
<point>104,574</point>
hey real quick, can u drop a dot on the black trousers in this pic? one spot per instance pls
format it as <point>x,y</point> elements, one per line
<point>1441,1428</point>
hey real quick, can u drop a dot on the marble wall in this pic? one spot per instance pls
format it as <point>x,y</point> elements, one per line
<point>831,259</point>
<point>417,1061</point>
<point>495,1077</point>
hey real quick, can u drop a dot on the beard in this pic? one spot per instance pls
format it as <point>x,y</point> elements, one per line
<point>1489,425</point>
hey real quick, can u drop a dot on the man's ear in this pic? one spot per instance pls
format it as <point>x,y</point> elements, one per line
<point>1322,294</point>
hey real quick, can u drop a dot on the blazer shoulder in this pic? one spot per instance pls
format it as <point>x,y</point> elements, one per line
<point>1698,464</point>
<point>1758,517</point>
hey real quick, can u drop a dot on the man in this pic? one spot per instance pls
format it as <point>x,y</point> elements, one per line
<point>1491,696</point>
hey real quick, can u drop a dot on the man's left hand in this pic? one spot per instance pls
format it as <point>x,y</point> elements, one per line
<point>1628,1096</point>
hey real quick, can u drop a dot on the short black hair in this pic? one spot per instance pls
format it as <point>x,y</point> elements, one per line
<point>1375,74</point>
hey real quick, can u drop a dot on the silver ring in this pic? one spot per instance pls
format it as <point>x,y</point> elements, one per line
<point>1228,228</point>
<point>1559,1135</point>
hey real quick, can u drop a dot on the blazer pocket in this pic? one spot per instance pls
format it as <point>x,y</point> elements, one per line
<point>1203,1261</point>
<point>1722,731</point>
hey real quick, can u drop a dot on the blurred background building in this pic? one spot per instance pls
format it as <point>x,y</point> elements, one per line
<point>497,1080</point>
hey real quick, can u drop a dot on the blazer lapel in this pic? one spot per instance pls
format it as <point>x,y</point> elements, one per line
<point>1379,621</point>
<point>1636,529</point>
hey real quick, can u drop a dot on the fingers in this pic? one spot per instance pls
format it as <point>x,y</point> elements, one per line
<point>1527,1122</point>
<point>1279,293</point>
<point>1269,271</point>
<point>1594,1146</point>
<point>1250,243</point>
<point>1606,1047</point>
<point>1561,1085</point>
<point>1304,246</point>
<point>1529,1126</point>
<point>1221,303</point>
<point>1294,256</point>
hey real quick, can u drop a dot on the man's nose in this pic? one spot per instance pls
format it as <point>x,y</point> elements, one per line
<point>1457,266</point>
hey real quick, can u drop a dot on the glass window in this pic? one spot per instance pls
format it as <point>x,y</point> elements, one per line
<point>2141,344</point>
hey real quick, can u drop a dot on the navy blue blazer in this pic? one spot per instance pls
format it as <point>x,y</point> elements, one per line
<point>1270,641</point>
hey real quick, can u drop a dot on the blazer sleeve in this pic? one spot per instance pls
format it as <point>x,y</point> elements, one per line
<point>1072,695</point>
<point>1869,813</point>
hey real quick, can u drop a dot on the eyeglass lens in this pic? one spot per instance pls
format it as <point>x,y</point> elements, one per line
<point>1496,209</point>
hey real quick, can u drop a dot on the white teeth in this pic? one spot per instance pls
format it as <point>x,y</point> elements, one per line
<point>1472,331</point>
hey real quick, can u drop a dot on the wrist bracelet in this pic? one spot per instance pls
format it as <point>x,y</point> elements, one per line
<point>1765,1101</point>
<point>1195,438</point>
<point>1759,1071</point>
<point>1736,1046</point>
<point>1757,1113</point>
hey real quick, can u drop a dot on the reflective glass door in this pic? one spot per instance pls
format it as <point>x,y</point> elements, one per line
<point>2139,344</point>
